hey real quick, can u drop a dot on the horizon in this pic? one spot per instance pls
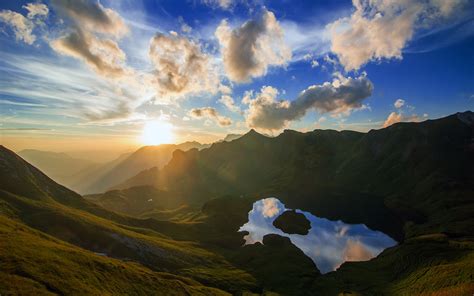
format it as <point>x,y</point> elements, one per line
<point>110,72</point>
<point>106,155</point>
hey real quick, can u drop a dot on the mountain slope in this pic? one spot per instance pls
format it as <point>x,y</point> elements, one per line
<point>60,167</point>
<point>202,247</point>
<point>37,264</point>
<point>400,179</point>
<point>144,158</point>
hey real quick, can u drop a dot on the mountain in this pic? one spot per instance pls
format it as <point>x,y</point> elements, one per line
<point>144,158</point>
<point>231,137</point>
<point>401,179</point>
<point>50,237</point>
<point>414,181</point>
<point>135,201</point>
<point>61,167</point>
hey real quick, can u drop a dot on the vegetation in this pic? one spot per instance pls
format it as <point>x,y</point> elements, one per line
<point>412,181</point>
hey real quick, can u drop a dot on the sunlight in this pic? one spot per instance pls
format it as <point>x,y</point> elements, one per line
<point>157,132</point>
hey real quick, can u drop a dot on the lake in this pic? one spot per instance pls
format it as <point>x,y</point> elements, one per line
<point>328,243</point>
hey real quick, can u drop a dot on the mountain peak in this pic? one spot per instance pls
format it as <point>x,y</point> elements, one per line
<point>467,117</point>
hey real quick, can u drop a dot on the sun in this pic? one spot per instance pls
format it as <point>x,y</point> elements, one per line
<point>157,132</point>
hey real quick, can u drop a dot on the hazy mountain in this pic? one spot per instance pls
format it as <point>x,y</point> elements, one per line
<point>144,158</point>
<point>399,179</point>
<point>61,167</point>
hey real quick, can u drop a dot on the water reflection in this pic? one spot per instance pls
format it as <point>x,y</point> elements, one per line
<point>328,243</point>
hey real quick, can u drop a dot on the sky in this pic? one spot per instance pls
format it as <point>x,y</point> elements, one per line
<point>94,75</point>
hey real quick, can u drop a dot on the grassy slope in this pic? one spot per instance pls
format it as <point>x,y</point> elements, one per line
<point>37,264</point>
<point>426,265</point>
<point>202,248</point>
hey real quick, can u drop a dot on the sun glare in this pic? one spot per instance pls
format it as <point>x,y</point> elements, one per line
<point>157,132</point>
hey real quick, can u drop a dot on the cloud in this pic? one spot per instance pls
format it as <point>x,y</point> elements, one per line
<point>92,16</point>
<point>36,9</point>
<point>380,29</point>
<point>341,96</point>
<point>249,50</point>
<point>21,26</point>
<point>270,207</point>
<point>180,66</point>
<point>399,103</point>
<point>88,98</point>
<point>395,117</point>
<point>227,101</point>
<point>210,113</point>
<point>104,56</point>
<point>92,37</point>
<point>356,251</point>
<point>224,4</point>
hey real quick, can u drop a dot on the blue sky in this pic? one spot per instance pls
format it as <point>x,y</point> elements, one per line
<point>99,71</point>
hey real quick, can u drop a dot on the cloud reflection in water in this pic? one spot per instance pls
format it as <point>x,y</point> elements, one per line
<point>328,243</point>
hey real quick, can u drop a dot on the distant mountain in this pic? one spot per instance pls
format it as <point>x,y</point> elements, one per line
<point>400,179</point>
<point>61,167</point>
<point>144,158</point>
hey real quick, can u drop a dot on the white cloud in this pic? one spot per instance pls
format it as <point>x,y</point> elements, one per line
<point>180,66</point>
<point>104,56</point>
<point>399,103</point>
<point>212,114</point>
<point>36,9</point>
<point>224,4</point>
<point>270,207</point>
<point>249,50</point>
<point>21,26</point>
<point>339,97</point>
<point>380,29</point>
<point>395,117</point>
<point>92,37</point>
<point>91,16</point>
<point>227,101</point>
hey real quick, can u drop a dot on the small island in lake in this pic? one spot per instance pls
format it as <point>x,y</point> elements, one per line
<point>292,222</point>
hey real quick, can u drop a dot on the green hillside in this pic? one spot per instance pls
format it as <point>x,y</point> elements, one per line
<point>401,179</point>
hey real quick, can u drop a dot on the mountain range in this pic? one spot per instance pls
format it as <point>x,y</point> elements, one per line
<point>174,229</point>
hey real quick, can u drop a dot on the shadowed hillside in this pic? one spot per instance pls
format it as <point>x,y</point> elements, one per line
<point>401,179</point>
<point>204,247</point>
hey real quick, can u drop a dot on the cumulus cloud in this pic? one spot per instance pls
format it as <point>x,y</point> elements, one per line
<point>104,56</point>
<point>395,117</point>
<point>399,103</point>
<point>180,66</point>
<point>21,26</point>
<point>356,251</point>
<point>250,49</point>
<point>341,96</point>
<point>92,16</point>
<point>212,114</point>
<point>270,207</point>
<point>227,101</point>
<point>36,9</point>
<point>100,52</point>
<point>380,29</point>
